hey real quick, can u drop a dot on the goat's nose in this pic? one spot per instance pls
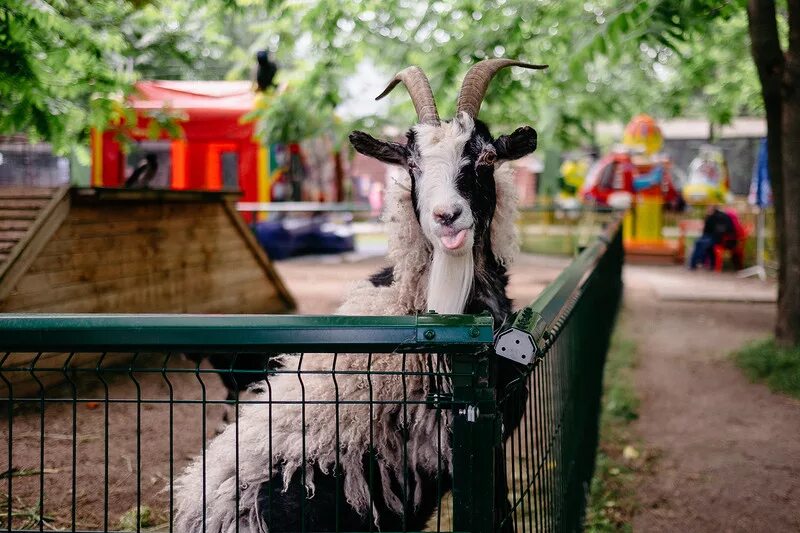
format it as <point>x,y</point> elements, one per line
<point>447,215</point>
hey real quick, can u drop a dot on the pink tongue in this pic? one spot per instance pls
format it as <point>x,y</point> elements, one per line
<point>451,242</point>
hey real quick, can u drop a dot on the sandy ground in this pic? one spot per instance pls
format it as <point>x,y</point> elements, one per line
<point>728,451</point>
<point>319,285</point>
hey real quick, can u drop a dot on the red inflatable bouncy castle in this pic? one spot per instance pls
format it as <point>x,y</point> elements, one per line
<point>216,151</point>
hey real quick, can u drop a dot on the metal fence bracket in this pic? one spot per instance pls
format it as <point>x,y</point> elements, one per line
<point>516,345</point>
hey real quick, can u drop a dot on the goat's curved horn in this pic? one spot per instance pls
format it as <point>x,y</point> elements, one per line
<point>475,83</point>
<point>419,88</point>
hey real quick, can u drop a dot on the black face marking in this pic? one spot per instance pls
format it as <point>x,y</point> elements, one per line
<point>413,168</point>
<point>475,180</point>
<point>383,278</point>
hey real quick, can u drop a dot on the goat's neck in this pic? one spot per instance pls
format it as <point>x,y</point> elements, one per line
<point>450,280</point>
<point>489,286</point>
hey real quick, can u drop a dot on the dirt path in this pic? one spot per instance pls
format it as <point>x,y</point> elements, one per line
<point>728,450</point>
<point>320,284</point>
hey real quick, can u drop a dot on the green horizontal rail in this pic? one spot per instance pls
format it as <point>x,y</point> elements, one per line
<point>537,318</point>
<point>242,333</point>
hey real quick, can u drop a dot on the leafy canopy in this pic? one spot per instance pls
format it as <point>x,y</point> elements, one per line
<point>65,62</point>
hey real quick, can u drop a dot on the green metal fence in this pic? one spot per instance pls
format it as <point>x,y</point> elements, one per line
<point>100,413</point>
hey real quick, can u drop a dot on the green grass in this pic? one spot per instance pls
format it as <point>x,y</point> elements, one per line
<point>548,244</point>
<point>611,500</point>
<point>777,366</point>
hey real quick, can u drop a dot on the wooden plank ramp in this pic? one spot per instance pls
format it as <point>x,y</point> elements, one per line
<point>126,251</point>
<point>19,209</point>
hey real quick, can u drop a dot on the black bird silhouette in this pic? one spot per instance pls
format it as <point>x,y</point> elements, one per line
<point>144,173</point>
<point>265,74</point>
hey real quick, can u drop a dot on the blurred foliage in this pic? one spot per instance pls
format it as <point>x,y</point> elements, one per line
<point>55,78</point>
<point>66,65</point>
<point>65,61</point>
<point>609,59</point>
<point>178,40</point>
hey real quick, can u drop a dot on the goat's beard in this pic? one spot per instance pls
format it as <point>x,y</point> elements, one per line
<point>449,282</point>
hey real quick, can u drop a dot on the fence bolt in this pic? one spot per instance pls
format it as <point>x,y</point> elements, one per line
<point>430,334</point>
<point>474,332</point>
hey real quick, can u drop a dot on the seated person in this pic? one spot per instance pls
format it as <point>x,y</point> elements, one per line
<point>735,242</point>
<point>718,228</point>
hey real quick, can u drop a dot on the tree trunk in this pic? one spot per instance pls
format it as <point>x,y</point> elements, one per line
<point>338,175</point>
<point>769,61</point>
<point>788,325</point>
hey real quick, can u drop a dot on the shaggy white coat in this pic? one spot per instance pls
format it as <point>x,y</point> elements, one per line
<point>271,436</point>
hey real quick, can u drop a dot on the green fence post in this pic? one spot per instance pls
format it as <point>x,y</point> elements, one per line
<point>476,437</point>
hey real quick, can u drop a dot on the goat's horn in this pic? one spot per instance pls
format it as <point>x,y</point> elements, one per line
<point>420,91</point>
<point>475,83</point>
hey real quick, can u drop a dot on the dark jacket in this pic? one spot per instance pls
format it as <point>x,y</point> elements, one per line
<point>719,226</point>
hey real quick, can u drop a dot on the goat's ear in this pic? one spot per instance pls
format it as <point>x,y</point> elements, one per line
<point>520,143</point>
<point>386,151</point>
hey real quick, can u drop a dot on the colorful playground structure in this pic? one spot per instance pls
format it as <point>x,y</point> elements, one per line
<point>637,178</point>
<point>211,146</point>
<point>215,148</point>
<point>709,181</point>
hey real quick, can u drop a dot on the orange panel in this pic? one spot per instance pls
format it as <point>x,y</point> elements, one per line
<point>178,153</point>
<point>214,164</point>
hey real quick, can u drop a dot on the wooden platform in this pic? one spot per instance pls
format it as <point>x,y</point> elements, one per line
<point>126,251</point>
<point>134,251</point>
<point>19,210</point>
<point>651,253</point>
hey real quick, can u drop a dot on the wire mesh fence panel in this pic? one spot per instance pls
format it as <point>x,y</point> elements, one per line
<point>551,412</point>
<point>214,435</point>
<point>277,423</point>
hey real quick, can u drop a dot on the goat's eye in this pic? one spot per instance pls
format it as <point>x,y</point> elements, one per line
<point>487,157</point>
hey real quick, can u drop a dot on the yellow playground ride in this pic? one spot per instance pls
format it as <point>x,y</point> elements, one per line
<point>573,174</point>
<point>708,181</point>
<point>652,191</point>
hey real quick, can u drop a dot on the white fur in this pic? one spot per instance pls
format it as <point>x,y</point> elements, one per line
<point>415,264</point>
<point>450,282</point>
<point>441,148</point>
<point>505,237</point>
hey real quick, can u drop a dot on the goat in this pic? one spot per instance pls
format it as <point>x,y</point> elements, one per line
<point>451,232</point>
<point>238,373</point>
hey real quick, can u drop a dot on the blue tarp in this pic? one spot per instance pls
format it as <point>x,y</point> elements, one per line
<point>292,237</point>
<point>760,189</point>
